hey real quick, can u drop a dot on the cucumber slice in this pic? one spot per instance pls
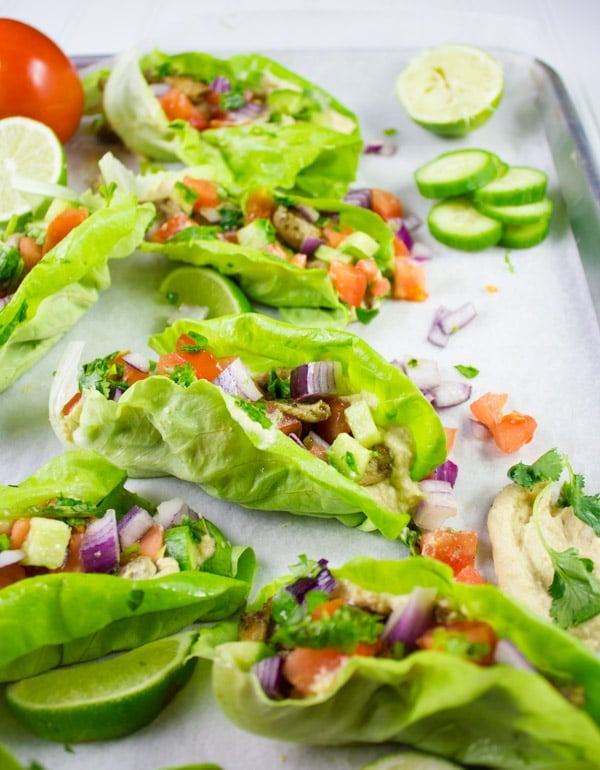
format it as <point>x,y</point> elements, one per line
<point>519,185</point>
<point>524,236</point>
<point>457,223</point>
<point>456,173</point>
<point>526,214</point>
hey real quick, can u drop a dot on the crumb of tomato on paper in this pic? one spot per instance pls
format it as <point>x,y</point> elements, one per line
<point>510,431</point>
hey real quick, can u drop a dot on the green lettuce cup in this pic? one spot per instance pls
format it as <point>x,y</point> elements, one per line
<point>82,582</point>
<point>224,442</point>
<point>66,282</point>
<point>247,115</point>
<point>529,699</point>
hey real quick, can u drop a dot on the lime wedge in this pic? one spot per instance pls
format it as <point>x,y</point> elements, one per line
<point>411,760</point>
<point>103,699</point>
<point>203,287</point>
<point>31,151</point>
<point>451,89</point>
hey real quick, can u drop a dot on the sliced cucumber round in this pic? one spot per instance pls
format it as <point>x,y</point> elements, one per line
<point>456,173</point>
<point>457,223</point>
<point>524,236</point>
<point>520,184</point>
<point>525,214</point>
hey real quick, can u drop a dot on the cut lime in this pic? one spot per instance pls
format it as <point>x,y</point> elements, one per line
<point>32,152</point>
<point>456,173</point>
<point>451,89</point>
<point>203,287</point>
<point>411,760</point>
<point>103,699</point>
<point>457,223</point>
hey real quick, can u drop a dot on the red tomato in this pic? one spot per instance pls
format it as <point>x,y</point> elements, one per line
<point>62,225</point>
<point>386,204</point>
<point>177,106</point>
<point>454,548</point>
<point>475,638</point>
<point>37,80</point>
<point>207,192</point>
<point>410,280</point>
<point>349,282</point>
<point>335,234</point>
<point>336,423</point>
<point>171,226</point>
<point>259,205</point>
<point>131,375</point>
<point>303,666</point>
<point>205,364</point>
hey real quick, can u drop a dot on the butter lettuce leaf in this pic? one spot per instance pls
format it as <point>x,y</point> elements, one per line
<point>496,716</point>
<point>201,434</point>
<point>318,155</point>
<point>59,290</point>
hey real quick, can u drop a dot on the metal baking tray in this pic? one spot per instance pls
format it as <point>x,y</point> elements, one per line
<point>536,337</point>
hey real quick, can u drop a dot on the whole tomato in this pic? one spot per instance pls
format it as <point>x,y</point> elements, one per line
<point>37,80</point>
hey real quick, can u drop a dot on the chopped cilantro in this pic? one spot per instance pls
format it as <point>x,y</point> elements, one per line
<point>390,131</point>
<point>183,375</point>
<point>457,643</point>
<point>548,467</point>
<point>366,316</point>
<point>200,343</point>
<point>102,374</point>
<point>234,99</point>
<point>277,387</point>
<point>256,411</point>
<point>467,371</point>
<point>585,507</point>
<point>230,219</point>
<point>575,591</point>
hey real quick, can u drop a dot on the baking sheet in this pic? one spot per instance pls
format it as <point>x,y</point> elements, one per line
<point>536,338</point>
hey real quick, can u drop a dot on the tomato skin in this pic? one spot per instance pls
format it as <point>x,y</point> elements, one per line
<point>37,80</point>
<point>62,225</point>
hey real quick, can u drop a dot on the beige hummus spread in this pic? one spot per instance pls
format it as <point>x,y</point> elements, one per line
<point>523,567</point>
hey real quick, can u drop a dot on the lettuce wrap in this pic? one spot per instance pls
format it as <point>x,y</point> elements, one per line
<point>65,283</point>
<point>248,116</point>
<point>50,616</point>
<point>442,699</point>
<point>198,432</point>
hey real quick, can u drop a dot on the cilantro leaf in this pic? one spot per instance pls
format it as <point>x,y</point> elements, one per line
<point>183,375</point>
<point>200,342</point>
<point>585,507</point>
<point>467,371</point>
<point>102,374</point>
<point>575,591</point>
<point>277,387</point>
<point>365,315</point>
<point>548,467</point>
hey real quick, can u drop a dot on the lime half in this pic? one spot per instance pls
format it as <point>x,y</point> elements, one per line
<point>30,151</point>
<point>103,699</point>
<point>202,287</point>
<point>452,89</point>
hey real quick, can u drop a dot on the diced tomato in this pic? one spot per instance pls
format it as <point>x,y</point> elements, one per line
<point>62,224</point>
<point>152,543</point>
<point>19,531</point>
<point>178,106</point>
<point>335,234</point>
<point>450,437</point>
<point>328,608</point>
<point>479,640</point>
<point>386,204</point>
<point>30,252</point>
<point>130,374</point>
<point>369,267</point>
<point>349,282</point>
<point>409,280</point>
<point>470,575</point>
<point>11,574</point>
<point>400,248</point>
<point>336,423</point>
<point>283,422</point>
<point>454,548</point>
<point>303,666</point>
<point>207,192</point>
<point>259,205</point>
<point>171,226</point>
<point>380,288</point>
<point>73,562</point>
<point>510,431</point>
<point>299,259</point>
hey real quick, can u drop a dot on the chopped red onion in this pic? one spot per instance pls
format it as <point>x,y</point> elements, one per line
<point>424,372</point>
<point>296,439</point>
<point>323,581</point>
<point>137,361</point>
<point>507,652</point>
<point>116,393</point>
<point>220,85</point>
<point>412,222</point>
<point>100,545</point>
<point>406,624</point>
<point>447,471</point>
<point>479,431</point>
<point>450,393</point>
<point>270,675</point>
<point>316,439</point>
<point>313,380</point>
<point>307,212</point>
<point>159,89</point>
<point>237,381</point>
<point>248,111</point>
<point>172,512</point>
<point>361,196</point>
<point>437,505</point>
<point>310,245</point>
<point>11,556</point>
<point>421,252</point>
<point>403,233</point>
<point>453,320</point>
<point>133,526</point>
<point>437,335</point>
<point>383,147</point>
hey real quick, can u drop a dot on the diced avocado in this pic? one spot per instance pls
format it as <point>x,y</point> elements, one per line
<point>256,235</point>
<point>359,245</point>
<point>360,419</point>
<point>46,543</point>
<point>328,254</point>
<point>182,546</point>
<point>349,457</point>
<point>184,197</point>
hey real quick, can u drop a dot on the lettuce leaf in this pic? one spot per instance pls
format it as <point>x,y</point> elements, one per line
<point>66,283</point>
<point>59,618</point>
<point>200,434</point>
<point>496,716</point>
<point>318,156</point>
